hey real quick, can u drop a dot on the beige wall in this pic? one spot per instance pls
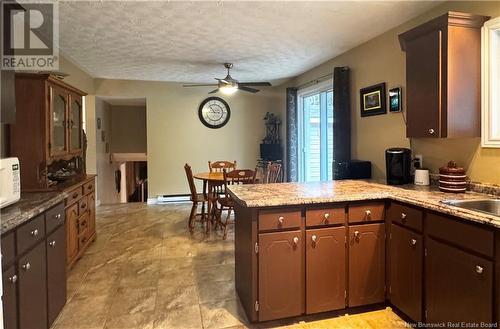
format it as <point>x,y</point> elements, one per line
<point>176,136</point>
<point>381,60</point>
<point>128,129</point>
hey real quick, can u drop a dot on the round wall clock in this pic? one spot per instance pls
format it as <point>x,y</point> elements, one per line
<point>214,112</point>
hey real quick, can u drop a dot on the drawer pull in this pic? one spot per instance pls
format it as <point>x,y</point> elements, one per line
<point>314,239</point>
<point>58,216</point>
<point>281,219</point>
<point>34,232</point>
<point>356,234</point>
<point>413,242</point>
<point>403,216</point>
<point>26,266</point>
<point>75,195</point>
<point>83,223</point>
<point>368,213</point>
<point>13,279</point>
<point>326,216</point>
<point>83,206</point>
<point>479,269</point>
<point>89,187</point>
<point>431,131</point>
<point>52,244</point>
<point>295,240</point>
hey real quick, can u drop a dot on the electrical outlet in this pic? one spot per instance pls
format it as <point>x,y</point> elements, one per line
<point>418,161</point>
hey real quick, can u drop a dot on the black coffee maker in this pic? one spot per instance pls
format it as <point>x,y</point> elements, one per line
<point>398,166</point>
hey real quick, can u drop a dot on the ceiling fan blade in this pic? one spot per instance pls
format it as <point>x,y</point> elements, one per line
<point>250,90</point>
<point>214,91</point>
<point>201,85</point>
<point>255,83</point>
<point>222,80</point>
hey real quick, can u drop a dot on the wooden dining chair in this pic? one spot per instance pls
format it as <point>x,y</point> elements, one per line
<point>195,198</point>
<point>219,166</point>
<point>273,173</point>
<point>234,177</point>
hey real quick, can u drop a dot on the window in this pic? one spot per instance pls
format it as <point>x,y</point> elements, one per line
<point>316,132</point>
<point>490,102</point>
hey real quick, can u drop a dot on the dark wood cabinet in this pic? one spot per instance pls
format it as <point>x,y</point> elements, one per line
<point>33,289</point>
<point>56,273</point>
<point>325,269</point>
<point>281,275</point>
<point>406,260</point>
<point>366,264</point>
<point>48,132</point>
<point>459,285</point>
<point>71,233</point>
<point>443,72</point>
<point>10,280</point>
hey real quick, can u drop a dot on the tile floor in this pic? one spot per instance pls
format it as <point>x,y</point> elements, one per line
<point>145,271</point>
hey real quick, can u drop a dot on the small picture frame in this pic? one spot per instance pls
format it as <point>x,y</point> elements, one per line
<point>372,100</point>
<point>395,100</point>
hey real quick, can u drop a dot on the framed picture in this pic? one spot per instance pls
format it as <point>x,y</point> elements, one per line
<point>395,100</point>
<point>372,100</point>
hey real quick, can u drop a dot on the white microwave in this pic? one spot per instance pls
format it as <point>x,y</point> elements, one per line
<point>10,181</point>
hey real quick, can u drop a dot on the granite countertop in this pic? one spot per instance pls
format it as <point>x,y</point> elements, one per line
<point>294,194</point>
<point>29,206</point>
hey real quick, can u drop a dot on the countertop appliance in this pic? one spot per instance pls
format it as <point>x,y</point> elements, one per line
<point>10,181</point>
<point>398,166</point>
<point>351,169</point>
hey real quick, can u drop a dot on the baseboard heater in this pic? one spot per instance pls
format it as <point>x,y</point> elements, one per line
<point>163,199</point>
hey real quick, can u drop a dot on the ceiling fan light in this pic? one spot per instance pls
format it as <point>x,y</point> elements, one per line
<point>228,90</point>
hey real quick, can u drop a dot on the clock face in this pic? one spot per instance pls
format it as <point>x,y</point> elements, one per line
<point>214,112</point>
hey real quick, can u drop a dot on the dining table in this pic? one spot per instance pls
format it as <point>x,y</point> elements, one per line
<point>211,180</point>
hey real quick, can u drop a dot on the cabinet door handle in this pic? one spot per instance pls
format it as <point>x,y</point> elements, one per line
<point>356,234</point>
<point>83,206</point>
<point>403,216</point>
<point>281,219</point>
<point>314,239</point>
<point>431,131</point>
<point>52,243</point>
<point>58,216</point>
<point>75,195</point>
<point>26,266</point>
<point>368,213</point>
<point>13,279</point>
<point>34,232</point>
<point>295,240</point>
<point>479,269</point>
<point>413,242</point>
<point>326,216</point>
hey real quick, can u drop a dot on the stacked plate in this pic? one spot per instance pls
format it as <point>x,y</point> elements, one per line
<point>452,178</point>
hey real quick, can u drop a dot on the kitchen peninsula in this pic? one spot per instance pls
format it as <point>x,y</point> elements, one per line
<point>304,248</point>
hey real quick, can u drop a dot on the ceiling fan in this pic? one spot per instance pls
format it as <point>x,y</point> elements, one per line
<point>229,86</point>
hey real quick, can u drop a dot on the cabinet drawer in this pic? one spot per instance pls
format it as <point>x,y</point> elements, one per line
<point>88,187</point>
<point>462,234</point>
<point>29,234</point>
<point>54,217</point>
<point>406,216</point>
<point>74,195</point>
<point>83,223</point>
<point>325,216</point>
<point>8,248</point>
<point>279,219</point>
<point>366,212</point>
<point>83,205</point>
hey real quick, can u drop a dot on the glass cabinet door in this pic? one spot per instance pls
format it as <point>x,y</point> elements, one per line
<point>58,119</point>
<point>76,123</point>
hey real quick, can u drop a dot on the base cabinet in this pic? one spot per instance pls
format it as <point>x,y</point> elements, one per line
<point>406,260</point>
<point>10,281</point>
<point>281,275</point>
<point>33,289</point>
<point>325,269</point>
<point>459,285</point>
<point>56,273</point>
<point>366,264</point>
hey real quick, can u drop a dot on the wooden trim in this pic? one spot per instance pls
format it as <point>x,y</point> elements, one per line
<point>53,79</point>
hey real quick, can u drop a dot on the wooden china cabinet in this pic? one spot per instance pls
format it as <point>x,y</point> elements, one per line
<point>48,139</point>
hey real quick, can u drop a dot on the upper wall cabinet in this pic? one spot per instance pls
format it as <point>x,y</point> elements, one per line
<point>443,76</point>
<point>491,83</point>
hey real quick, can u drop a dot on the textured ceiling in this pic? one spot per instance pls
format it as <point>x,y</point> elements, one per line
<point>187,41</point>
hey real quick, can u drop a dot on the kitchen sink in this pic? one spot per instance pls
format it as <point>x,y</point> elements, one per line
<point>489,206</point>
